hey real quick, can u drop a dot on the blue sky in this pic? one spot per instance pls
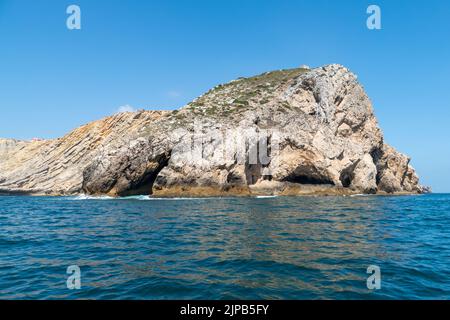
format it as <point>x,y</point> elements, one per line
<point>162,54</point>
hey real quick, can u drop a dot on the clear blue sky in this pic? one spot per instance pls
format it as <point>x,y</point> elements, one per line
<point>162,54</point>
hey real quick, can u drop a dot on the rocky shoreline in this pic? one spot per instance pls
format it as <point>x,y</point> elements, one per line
<point>288,132</point>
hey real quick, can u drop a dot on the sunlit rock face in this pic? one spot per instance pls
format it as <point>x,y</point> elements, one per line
<point>287,132</point>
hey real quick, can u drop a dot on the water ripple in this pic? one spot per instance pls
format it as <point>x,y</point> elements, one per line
<point>225,248</point>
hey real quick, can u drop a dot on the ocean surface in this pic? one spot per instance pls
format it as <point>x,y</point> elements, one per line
<point>225,248</point>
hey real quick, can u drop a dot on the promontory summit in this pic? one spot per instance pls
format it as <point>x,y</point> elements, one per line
<point>288,132</point>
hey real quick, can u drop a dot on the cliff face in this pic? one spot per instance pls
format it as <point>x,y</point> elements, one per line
<point>56,166</point>
<point>288,132</point>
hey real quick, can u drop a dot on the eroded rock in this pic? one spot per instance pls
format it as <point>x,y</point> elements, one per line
<point>313,132</point>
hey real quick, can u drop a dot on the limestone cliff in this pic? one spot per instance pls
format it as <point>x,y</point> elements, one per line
<point>287,132</point>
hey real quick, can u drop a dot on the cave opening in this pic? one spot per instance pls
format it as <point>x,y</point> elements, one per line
<point>347,177</point>
<point>346,180</point>
<point>308,173</point>
<point>308,179</point>
<point>377,155</point>
<point>144,186</point>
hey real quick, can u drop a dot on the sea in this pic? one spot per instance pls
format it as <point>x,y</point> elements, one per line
<point>144,248</point>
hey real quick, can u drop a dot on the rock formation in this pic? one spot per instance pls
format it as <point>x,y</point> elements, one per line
<point>287,132</point>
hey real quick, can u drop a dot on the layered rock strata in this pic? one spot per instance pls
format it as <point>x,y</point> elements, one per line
<point>287,132</point>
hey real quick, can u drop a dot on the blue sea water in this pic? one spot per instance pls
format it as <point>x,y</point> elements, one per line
<point>225,248</point>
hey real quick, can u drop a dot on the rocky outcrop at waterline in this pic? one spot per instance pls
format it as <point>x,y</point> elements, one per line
<point>287,132</point>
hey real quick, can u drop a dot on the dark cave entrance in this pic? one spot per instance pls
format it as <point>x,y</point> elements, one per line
<point>308,174</point>
<point>347,175</point>
<point>305,179</point>
<point>144,186</point>
<point>346,179</point>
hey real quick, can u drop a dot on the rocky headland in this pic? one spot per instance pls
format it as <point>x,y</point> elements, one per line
<point>288,132</point>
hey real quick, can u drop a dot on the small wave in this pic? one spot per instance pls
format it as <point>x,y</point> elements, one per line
<point>133,198</point>
<point>168,199</point>
<point>87,197</point>
<point>265,197</point>
<point>140,198</point>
